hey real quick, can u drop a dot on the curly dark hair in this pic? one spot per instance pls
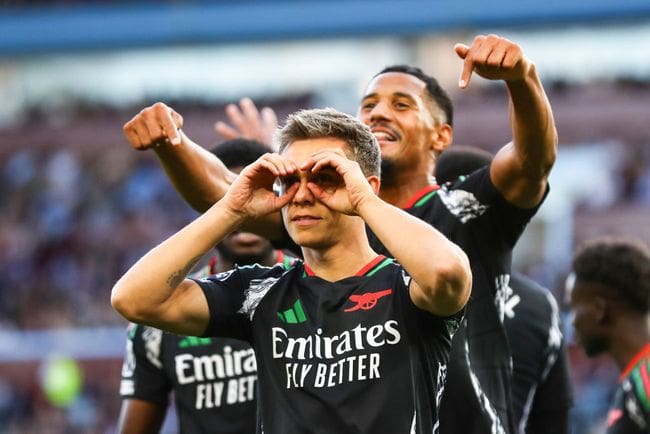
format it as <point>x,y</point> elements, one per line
<point>239,152</point>
<point>437,93</point>
<point>621,264</point>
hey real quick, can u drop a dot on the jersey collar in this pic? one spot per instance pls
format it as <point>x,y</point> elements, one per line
<point>645,351</point>
<point>420,194</point>
<point>380,261</point>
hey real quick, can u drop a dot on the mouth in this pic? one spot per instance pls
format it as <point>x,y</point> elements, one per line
<point>246,239</point>
<point>305,220</point>
<point>385,134</point>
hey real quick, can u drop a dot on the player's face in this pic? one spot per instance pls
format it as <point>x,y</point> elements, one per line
<point>245,247</point>
<point>396,109</point>
<point>309,222</point>
<point>587,318</point>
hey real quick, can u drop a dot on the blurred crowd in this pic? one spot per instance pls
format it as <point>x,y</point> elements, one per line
<point>72,220</point>
<point>70,224</point>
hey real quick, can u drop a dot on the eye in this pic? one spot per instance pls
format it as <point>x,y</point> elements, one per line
<point>286,182</point>
<point>367,105</point>
<point>326,180</point>
<point>401,105</point>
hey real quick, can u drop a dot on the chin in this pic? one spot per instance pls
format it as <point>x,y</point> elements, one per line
<point>593,346</point>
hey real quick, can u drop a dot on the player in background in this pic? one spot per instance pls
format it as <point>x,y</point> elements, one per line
<point>412,116</point>
<point>159,363</point>
<point>349,340</point>
<point>609,296</point>
<point>541,387</point>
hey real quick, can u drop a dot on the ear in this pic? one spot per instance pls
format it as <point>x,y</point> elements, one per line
<point>374,182</point>
<point>443,135</point>
<point>601,310</point>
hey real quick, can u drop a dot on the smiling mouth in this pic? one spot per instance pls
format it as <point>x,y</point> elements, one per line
<point>383,134</point>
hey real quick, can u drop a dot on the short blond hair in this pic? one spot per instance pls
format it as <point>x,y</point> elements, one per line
<point>327,122</point>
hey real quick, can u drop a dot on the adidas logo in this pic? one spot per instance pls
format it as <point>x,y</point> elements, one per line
<point>193,341</point>
<point>293,315</point>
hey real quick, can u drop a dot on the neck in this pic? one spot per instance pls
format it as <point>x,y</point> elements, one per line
<point>344,259</point>
<point>630,337</point>
<point>399,190</point>
<point>400,184</point>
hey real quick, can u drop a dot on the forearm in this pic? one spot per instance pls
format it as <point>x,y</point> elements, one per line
<point>150,291</point>
<point>439,267</point>
<point>197,174</point>
<point>533,126</point>
<point>140,417</point>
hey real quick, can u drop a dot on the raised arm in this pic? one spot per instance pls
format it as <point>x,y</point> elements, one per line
<point>441,276</point>
<point>156,292</point>
<point>520,169</point>
<point>197,174</point>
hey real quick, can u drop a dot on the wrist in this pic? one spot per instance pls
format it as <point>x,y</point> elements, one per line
<point>368,205</point>
<point>230,217</point>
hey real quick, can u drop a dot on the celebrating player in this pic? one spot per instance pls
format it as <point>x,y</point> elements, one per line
<point>207,392</point>
<point>412,116</point>
<point>349,340</point>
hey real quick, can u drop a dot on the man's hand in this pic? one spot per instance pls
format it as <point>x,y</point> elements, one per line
<point>492,57</point>
<point>338,182</point>
<point>154,126</point>
<point>247,122</point>
<point>252,195</point>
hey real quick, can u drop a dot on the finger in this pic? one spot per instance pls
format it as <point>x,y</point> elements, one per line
<point>269,120</point>
<point>155,131</point>
<point>317,191</point>
<point>287,196</point>
<point>226,131</point>
<point>461,50</point>
<point>252,117</point>
<point>285,165</point>
<point>237,119</point>
<point>496,57</point>
<point>466,73</point>
<point>469,63</point>
<point>132,135</point>
<point>172,125</point>
<point>269,125</point>
<point>481,50</point>
<point>143,135</point>
<point>512,57</point>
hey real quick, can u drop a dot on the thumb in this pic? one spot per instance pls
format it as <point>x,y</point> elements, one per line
<point>461,50</point>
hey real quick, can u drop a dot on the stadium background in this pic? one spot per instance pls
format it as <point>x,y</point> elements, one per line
<point>78,206</point>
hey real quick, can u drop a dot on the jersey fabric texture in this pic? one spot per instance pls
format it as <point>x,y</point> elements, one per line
<point>630,411</point>
<point>351,356</point>
<point>213,380</point>
<point>472,213</point>
<point>541,388</point>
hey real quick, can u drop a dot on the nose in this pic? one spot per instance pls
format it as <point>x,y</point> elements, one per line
<point>380,112</point>
<point>303,195</point>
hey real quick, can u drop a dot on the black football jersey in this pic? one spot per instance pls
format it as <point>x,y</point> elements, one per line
<point>351,356</point>
<point>541,388</point>
<point>630,411</point>
<point>213,380</point>
<point>472,213</point>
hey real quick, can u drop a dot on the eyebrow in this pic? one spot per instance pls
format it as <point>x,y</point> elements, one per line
<point>394,94</point>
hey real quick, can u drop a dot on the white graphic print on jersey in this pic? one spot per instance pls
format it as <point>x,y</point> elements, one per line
<point>462,204</point>
<point>503,290</point>
<point>255,292</point>
<point>152,341</point>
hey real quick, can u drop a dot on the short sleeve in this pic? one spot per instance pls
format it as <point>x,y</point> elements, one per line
<point>143,376</point>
